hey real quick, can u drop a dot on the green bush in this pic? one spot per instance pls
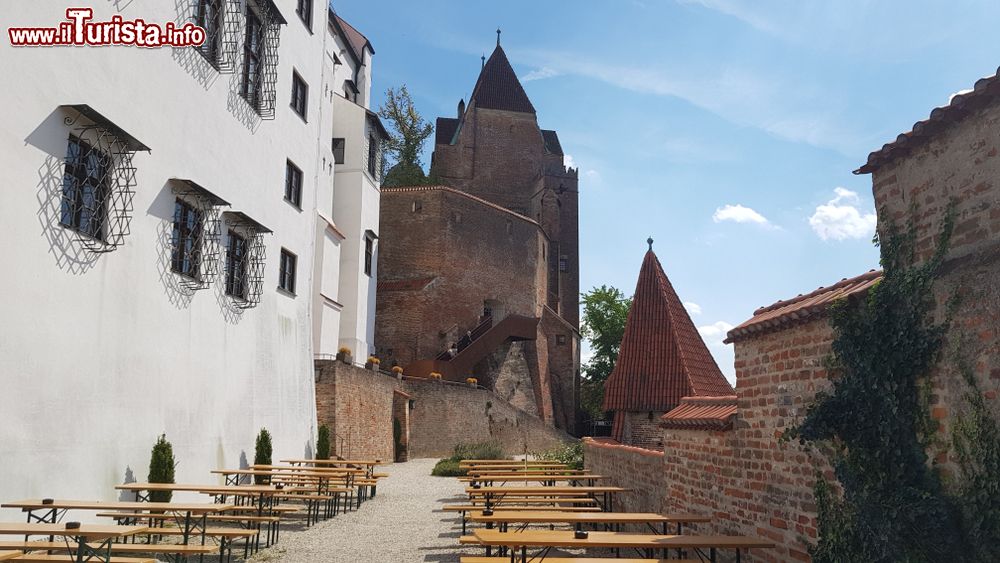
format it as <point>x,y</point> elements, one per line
<point>161,468</point>
<point>262,453</point>
<point>571,454</point>
<point>448,467</point>
<point>323,443</point>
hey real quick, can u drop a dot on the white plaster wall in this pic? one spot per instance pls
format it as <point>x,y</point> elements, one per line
<point>101,353</point>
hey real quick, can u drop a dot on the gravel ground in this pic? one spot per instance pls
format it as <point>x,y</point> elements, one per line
<point>403,523</point>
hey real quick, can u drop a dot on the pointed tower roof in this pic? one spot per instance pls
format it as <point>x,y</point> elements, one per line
<point>498,86</point>
<point>662,356</point>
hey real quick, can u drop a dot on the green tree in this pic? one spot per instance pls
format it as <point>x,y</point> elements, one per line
<point>605,310</point>
<point>161,468</point>
<point>409,131</point>
<point>262,453</point>
<point>323,443</point>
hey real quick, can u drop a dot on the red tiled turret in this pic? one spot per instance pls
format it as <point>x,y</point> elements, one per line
<point>662,356</point>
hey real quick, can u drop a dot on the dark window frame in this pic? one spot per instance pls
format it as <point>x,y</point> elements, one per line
<point>339,147</point>
<point>300,96</point>
<point>369,254</point>
<point>212,23</point>
<point>372,155</point>
<point>293,184</point>
<point>288,263</point>
<point>237,265</point>
<point>254,44</point>
<point>186,238</point>
<point>304,10</point>
<point>84,205</point>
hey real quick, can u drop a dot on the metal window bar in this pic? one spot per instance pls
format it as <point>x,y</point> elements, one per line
<point>231,37</point>
<point>203,249</point>
<point>210,15</point>
<point>245,259</point>
<point>260,56</point>
<point>99,180</point>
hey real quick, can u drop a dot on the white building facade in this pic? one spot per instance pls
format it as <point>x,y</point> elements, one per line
<point>176,230</point>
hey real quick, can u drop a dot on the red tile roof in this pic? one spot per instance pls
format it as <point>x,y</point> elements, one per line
<point>702,413</point>
<point>802,307</point>
<point>959,106</point>
<point>662,356</point>
<point>414,284</point>
<point>355,39</point>
<point>499,88</point>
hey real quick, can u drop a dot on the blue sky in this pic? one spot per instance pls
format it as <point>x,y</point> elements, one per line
<point>727,130</point>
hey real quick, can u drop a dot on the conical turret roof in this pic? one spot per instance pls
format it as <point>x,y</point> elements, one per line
<point>499,88</point>
<point>662,356</point>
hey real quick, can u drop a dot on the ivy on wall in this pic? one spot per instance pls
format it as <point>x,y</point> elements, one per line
<point>891,504</point>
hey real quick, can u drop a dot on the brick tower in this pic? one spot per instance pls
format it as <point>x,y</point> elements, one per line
<point>479,276</point>
<point>661,360</point>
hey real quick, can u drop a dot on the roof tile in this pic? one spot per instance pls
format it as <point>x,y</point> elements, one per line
<point>702,413</point>
<point>499,88</point>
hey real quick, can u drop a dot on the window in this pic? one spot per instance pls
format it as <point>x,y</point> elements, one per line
<point>208,15</point>
<point>416,207</point>
<point>85,189</point>
<point>286,274</point>
<point>369,252</point>
<point>300,94</point>
<point>185,259</point>
<point>253,63</point>
<point>304,10</point>
<point>338,150</point>
<point>560,339</point>
<point>236,266</point>
<point>564,263</point>
<point>293,184</point>
<point>372,154</point>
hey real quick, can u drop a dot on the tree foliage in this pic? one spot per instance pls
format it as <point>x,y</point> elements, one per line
<point>323,443</point>
<point>161,468</point>
<point>605,310</point>
<point>262,453</point>
<point>408,133</point>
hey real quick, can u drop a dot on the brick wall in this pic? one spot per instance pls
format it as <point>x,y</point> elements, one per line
<point>639,470</point>
<point>357,406</point>
<point>445,415</point>
<point>639,429</point>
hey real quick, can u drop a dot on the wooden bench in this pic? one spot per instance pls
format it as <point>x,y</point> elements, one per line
<point>467,559</point>
<point>224,536</point>
<point>43,557</point>
<point>179,550</point>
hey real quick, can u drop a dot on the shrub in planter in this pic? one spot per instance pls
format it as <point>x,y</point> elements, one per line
<point>161,468</point>
<point>435,375</point>
<point>262,453</point>
<point>323,443</point>
<point>472,381</point>
<point>344,355</point>
<point>373,363</point>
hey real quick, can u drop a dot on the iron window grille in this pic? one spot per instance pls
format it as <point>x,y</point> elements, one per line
<point>564,263</point>
<point>304,11</point>
<point>210,15</point>
<point>245,258</point>
<point>286,271</point>
<point>196,235</point>
<point>293,184</point>
<point>259,76</point>
<point>300,95</point>
<point>98,180</point>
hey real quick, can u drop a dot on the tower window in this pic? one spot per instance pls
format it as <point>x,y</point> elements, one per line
<point>369,254</point>
<point>293,184</point>
<point>300,95</point>
<point>304,10</point>
<point>338,150</point>
<point>564,263</point>
<point>286,272</point>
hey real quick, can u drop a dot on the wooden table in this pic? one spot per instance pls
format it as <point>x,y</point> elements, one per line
<point>191,516</point>
<point>645,543</point>
<point>490,478</point>
<point>84,551</point>
<point>578,519</point>
<point>489,494</point>
<point>368,464</point>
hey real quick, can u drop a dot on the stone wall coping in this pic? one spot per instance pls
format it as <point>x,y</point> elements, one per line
<point>609,443</point>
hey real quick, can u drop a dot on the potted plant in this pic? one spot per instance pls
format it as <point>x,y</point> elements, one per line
<point>372,363</point>
<point>323,443</point>
<point>344,355</point>
<point>262,454</point>
<point>161,468</point>
<point>398,371</point>
<point>472,381</point>
<point>435,375</point>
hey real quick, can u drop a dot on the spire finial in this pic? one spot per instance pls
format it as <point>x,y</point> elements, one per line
<point>498,37</point>
<point>483,58</point>
<point>649,241</point>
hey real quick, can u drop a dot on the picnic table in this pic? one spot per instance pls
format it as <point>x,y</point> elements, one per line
<point>548,480</point>
<point>519,543</point>
<point>190,516</point>
<point>368,464</point>
<point>490,494</point>
<point>577,519</point>
<point>89,542</point>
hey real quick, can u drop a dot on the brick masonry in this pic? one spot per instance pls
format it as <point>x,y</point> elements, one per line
<point>359,406</point>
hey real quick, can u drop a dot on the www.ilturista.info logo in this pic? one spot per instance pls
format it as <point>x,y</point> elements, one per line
<point>78,29</point>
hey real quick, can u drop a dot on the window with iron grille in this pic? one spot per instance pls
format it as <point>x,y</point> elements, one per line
<point>372,155</point>
<point>293,184</point>
<point>236,266</point>
<point>338,149</point>
<point>85,189</point>
<point>300,95</point>
<point>369,254</point>
<point>253,55</point>
<point>185,258</point>
<point>304,10</point>
<point>564,263</point>
<point>209,16</point>
<point>286,273</point>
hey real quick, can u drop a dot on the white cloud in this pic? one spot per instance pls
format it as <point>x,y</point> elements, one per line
<point>713,335</point>
<point>840,218</point>
<point>593,175</point>
<point>693,308</point>
<point>739,214</point>
<point>569,162</point>
<point>540,74</point>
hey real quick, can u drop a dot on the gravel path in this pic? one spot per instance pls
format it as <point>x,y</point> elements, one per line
<point>403,523</point>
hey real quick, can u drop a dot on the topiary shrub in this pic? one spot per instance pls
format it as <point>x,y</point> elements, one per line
<point>323,443</point>
<point>161,468</point>
<point>262,453</point>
